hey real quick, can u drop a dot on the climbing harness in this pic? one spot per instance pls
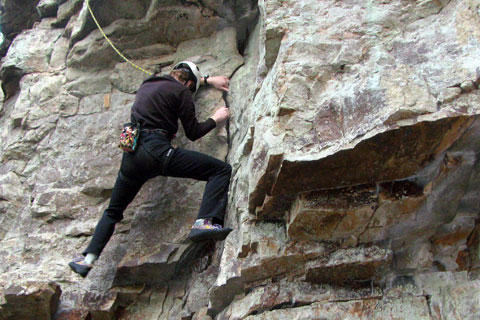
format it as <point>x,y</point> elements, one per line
<point>111,44</point>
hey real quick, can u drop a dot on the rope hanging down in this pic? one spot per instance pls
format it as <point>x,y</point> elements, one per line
<point>111,44</point>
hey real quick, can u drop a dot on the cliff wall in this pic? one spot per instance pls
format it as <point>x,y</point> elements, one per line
<point>355,145</point>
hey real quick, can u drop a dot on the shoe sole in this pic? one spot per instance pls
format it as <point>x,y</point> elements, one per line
<point>198,235</point>
<point>78,268</point>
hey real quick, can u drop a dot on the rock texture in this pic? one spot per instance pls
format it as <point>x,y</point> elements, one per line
<point>355,138</point>
<point>30,301</point>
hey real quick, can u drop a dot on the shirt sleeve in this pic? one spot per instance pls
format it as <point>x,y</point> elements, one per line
<point>193,129</point>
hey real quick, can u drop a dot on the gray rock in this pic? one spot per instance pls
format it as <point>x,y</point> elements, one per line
<point>354,139</point>
<point>29,52</point>
<point>449,94</point>
<point>17,18</point>
<point>351,266</point>
<point>48,8</point>
<point>65,11</point>
<point>30,300</point>
<point>468,86</point>
<point>150,269</point>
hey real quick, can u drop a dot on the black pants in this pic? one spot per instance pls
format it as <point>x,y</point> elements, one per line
<point>155,156</point>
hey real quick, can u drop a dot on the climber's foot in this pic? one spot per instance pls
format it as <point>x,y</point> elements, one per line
<point>203,230</point>
<point>79,266</point>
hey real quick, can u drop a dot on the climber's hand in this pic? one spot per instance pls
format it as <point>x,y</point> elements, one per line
<point>220,115</point>
<point>219,82</point>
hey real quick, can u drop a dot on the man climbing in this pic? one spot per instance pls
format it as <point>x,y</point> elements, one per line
<point>159,103</point>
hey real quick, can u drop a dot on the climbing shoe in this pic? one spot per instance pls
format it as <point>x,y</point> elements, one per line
<point>204,230</point>
<point>78,267</point>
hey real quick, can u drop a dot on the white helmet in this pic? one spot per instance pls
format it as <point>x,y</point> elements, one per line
<point>192,69</point>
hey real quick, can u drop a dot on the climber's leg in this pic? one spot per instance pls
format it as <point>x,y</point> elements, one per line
<point>199,166</point>
<point>123,193</point>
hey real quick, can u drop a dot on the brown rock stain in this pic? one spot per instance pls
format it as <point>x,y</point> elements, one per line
<point>463,260</point>
<point>453,238</point>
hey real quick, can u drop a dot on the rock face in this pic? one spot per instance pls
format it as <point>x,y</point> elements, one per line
<point>355,138</point>
<point>31,301</point>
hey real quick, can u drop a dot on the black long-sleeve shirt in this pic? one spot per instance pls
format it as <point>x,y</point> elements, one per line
<point>161,101</point>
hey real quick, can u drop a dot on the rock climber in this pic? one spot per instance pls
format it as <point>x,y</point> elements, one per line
<point>159,103</point>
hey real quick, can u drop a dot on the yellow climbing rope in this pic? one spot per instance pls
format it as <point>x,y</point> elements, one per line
<point>111,44</point>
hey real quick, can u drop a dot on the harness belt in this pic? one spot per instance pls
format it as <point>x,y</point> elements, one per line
<point>160,131</point>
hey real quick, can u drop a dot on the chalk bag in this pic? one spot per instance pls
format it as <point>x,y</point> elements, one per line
<point>129,137</point>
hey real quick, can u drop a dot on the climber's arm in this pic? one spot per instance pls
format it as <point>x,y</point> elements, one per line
<point>219,82</point>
